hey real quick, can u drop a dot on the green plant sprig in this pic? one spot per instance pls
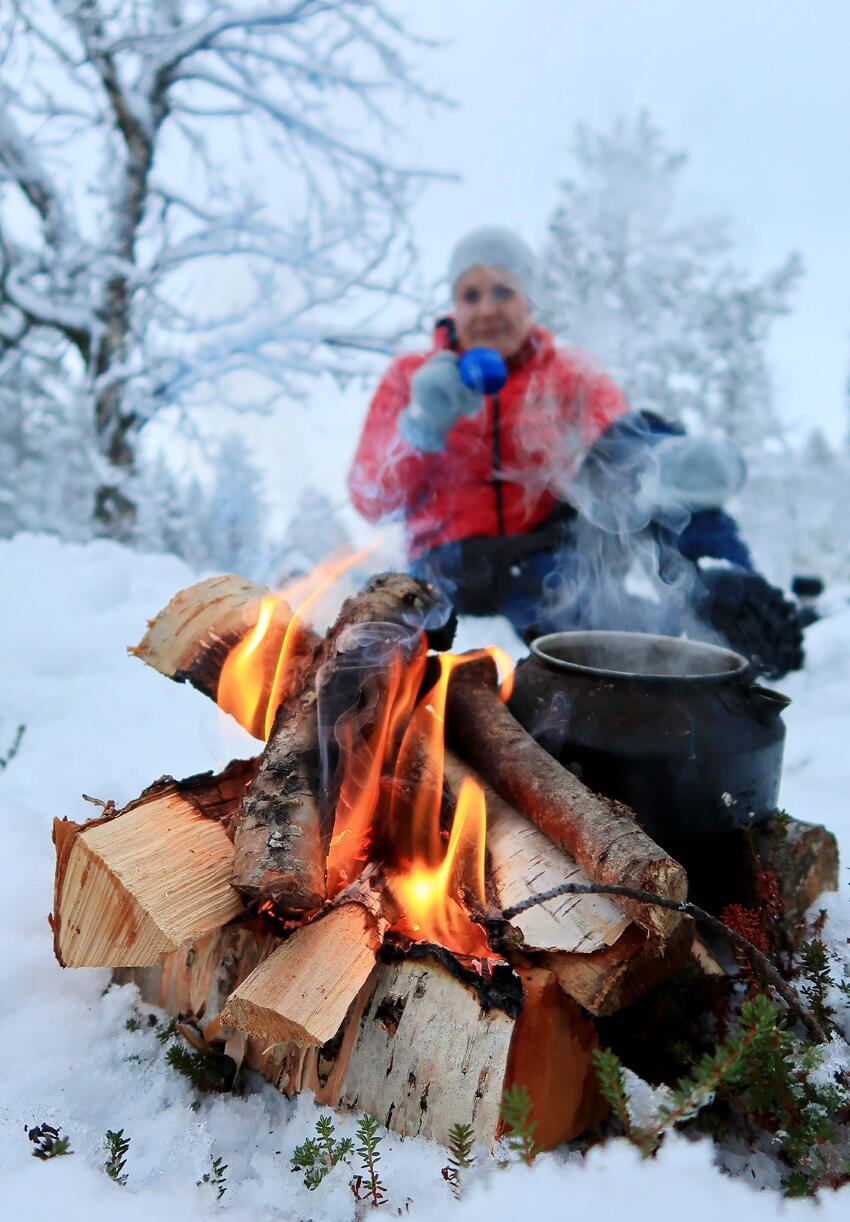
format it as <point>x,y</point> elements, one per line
<point>461,1157</point>
<point>516,1113</point>
<point>117,1146</point>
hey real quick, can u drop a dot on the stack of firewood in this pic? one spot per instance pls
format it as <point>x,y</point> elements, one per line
<point>226,899</point>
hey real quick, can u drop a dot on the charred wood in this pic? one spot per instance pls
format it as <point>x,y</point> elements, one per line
<point>281,843</point>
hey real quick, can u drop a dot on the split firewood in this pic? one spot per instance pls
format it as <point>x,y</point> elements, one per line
<point>601,835</point>
<point>281,842</point>
<point>196,980</point>
<point>609,979</point>
<point>523,862</point>
<point>133,885</point>
<point>551,1055</point>
<point>416,1047</point>
<point>190,639</point>
<point>303,990</point>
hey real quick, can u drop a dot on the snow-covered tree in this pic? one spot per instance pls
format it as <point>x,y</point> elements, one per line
<point>233,524</point>
<point>218,523</point>
<point>171,510</point>
<point>656,298</point>
<point>47,472</point>
<point>200,200</point>
<point>314,532</point>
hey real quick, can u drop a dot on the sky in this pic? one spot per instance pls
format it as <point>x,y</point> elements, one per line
<point>757,93</point>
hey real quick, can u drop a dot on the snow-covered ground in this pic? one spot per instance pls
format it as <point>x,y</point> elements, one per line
<point>100,723</point>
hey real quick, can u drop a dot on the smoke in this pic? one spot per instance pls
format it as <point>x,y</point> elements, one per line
<point>351,689</point>
<point>623,498</point>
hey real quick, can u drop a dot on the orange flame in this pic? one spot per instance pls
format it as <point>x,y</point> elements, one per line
<point>357,815</point>
<point>428,881</point>
<point>429,897</point>
<point>254,678</point>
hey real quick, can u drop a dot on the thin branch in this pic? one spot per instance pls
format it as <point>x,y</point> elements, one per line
<point>319,139</point>
<point>759,960</point>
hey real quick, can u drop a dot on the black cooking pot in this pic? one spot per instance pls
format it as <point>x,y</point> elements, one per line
<point>676,729</point>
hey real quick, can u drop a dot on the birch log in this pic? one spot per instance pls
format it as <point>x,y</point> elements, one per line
<point>281,842</point>
<point>602,836</point>
<point>522,862</point>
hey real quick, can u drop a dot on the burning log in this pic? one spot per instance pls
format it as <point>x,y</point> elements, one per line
<point>280,842</point>
<point>279,853</point>
<point>602,836</point>
<point>135,884</point>
<point>522,862</point>
<point>190,640</point>
<point>597,955</point>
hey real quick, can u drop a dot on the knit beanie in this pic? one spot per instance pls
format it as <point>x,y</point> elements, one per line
<point>494,246</point>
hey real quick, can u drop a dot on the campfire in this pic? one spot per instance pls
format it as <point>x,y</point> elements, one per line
<point>330,912</point>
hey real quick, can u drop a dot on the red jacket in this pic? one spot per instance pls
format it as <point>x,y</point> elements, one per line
<point>501,470</point>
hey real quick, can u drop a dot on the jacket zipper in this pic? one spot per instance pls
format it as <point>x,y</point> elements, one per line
<point>497,465</point>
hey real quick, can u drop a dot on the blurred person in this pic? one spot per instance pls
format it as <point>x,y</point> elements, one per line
<point>528,488</point>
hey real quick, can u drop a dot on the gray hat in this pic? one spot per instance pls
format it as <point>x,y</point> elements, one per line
<point>494,246</point>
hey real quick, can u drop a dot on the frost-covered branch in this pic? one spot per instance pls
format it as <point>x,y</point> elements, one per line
<point>213,188</point>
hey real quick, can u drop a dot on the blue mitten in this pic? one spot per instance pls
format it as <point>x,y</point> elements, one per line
<point>438,398</point>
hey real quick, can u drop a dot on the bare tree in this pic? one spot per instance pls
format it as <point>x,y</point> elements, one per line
<point>198,202</point>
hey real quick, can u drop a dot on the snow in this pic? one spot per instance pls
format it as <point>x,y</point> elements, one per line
<point>100,723</point>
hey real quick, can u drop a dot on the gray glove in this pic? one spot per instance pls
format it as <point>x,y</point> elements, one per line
<point>693,473</point>
<point>438,398</point>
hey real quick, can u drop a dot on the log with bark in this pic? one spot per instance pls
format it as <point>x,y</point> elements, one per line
<point>136,883</point>
<point>611,978</point>
<point>602,836</point>
<point>419,1047</point>
<point>799,859</point>
<point>598,956</point>
<point>523,862</point>
<point>804,858</point>
<point>281,842</point>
